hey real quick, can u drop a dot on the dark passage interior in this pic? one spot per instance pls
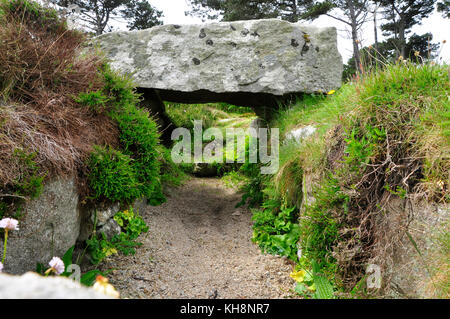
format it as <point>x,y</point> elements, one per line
<point>263,104</point>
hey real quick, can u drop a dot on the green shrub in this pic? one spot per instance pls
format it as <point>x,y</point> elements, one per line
<point>30,181</point>
<point>319,226</point>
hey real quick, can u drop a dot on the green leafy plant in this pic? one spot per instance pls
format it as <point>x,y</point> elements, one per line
<point>324,289</point>
<point>276,230</point>
<point>132,225</point>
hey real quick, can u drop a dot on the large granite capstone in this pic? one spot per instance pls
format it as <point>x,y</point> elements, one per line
<point>271,57</point>
<point>257,63</point>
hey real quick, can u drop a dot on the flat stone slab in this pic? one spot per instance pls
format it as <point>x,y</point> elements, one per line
<point>257,56</point>
<point>34,286</point>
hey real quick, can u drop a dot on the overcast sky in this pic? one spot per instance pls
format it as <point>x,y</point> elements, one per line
<point>440,28</point>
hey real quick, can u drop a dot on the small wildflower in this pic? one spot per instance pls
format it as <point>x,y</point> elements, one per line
<point>370,47</point>
<point>416,53</point>
<point>331,92</point>
<point>57,266</point>
<point>9,224</point>
<point>298,276</point>
<point>101,285</point>
<point>1,267</point>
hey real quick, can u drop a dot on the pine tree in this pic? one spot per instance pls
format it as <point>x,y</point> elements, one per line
<point>141,15</point>
<point>96,14</point>
<point>444,7</point>
<point>352,13</point>
<point>402,15</point>
<point>232,10</point>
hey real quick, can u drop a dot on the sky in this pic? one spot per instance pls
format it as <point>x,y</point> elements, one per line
<point>174,13</point>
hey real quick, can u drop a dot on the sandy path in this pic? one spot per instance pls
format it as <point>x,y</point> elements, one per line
<point>199,246</point>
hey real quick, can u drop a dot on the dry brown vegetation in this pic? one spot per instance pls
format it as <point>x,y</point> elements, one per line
<point>41,71</point>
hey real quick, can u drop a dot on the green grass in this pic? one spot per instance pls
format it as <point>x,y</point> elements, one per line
<point>212,114</point>
<point>396,117</point>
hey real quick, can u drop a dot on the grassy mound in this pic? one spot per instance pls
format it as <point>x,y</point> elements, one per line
<point>385,136</point>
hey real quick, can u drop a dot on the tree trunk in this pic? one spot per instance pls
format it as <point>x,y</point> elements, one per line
<point>294,11</point>
<point>375,29</point>
<point>401,37</point>
<point>354,27</point>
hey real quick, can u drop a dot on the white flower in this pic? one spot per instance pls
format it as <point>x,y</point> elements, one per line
<point>9,224</point>
<point>1,267</point>
<point>57,265</point>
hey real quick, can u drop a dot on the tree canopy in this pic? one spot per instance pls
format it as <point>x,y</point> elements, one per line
<point>401,16</point>
<point>96,15</point>
<point>232,10</point>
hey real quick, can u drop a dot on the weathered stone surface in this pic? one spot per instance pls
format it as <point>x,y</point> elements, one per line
<point>34,286</point>
<point>50,225</point>
<point>103,215</point>
<point>96,215</point>
<point>110,229</point>
<point>411,226</point>
<point>270,56</point>
<point>300,133</point>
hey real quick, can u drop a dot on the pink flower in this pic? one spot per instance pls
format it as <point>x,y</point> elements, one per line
<point>9,224</point>
<point>57,265</point>
<point>1,267</point>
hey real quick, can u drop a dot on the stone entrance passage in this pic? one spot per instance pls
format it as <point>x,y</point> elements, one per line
<point>256,63</point>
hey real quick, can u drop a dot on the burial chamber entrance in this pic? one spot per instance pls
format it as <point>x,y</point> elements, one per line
<point>264,105</point>
<point>255,63</point>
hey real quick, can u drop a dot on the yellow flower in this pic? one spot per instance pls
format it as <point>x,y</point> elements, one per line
<point>298,276</point>
<point>331,92</point>
<point>416,53</point>
<point>109,251</point>
<point>101,285</point>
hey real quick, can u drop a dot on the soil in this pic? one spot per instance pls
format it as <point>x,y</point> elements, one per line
<point>199,246</point>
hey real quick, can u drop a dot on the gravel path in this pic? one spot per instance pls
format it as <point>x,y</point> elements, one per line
<point>199,246</point>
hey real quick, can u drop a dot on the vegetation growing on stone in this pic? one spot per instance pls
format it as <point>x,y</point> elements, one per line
<point>381,137</point>
<point>60,106</point>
